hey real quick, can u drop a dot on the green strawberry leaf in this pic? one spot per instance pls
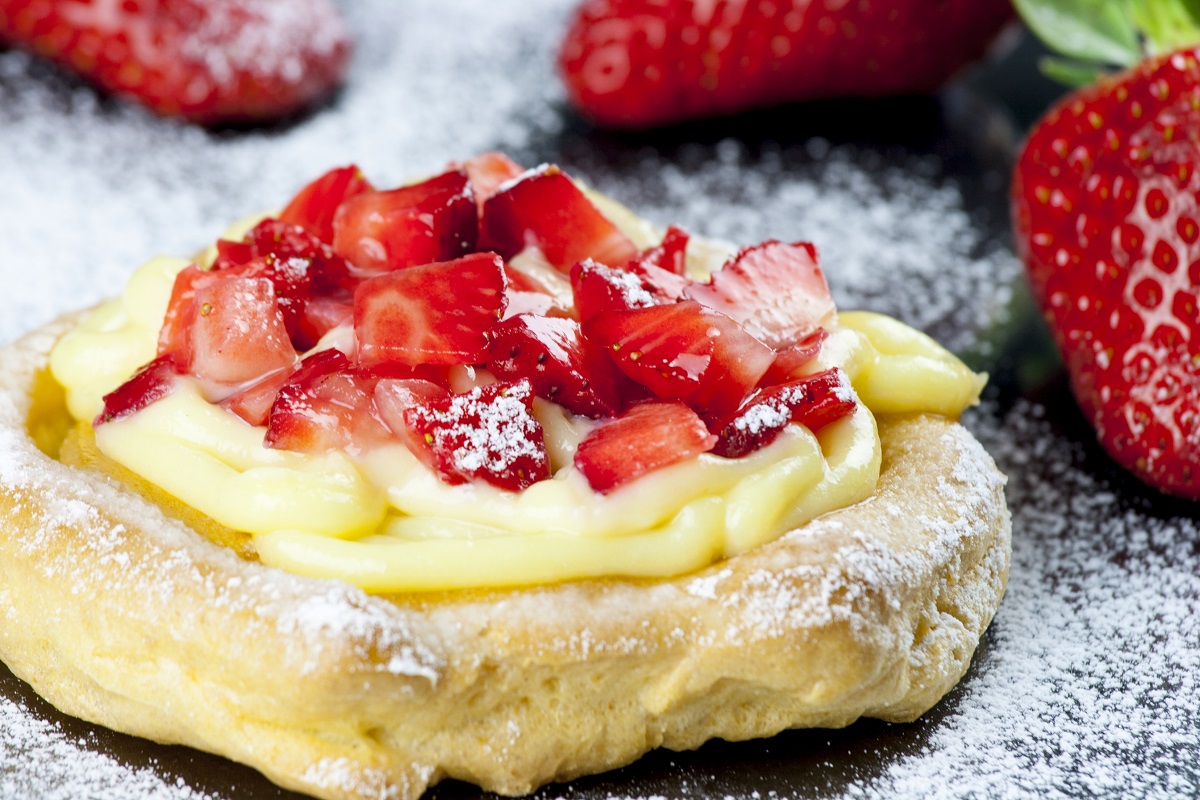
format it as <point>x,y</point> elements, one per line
<point>1069,73</point>
<point>1085,30</point>
<point>1167,24</point>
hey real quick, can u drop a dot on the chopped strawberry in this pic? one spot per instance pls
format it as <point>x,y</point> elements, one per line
<point>775,290</point>
<point>528,296</point>
<point>545,208</point>
<point>791,360</point>
<point>175,335</point>
<point>814,402</point>
<point>328,273</point>
<point>421,224</point>
<point>670,254</point>
<point>563,367</point>
<point>314,206</point>
<point>326,405</point>
<point>600,288</point>
<point>684,351</point>
<point>320,316</point>
<point>237,333</point>
<point>431,314</point>
<point>253,403</point>
<point>208,61</point>
<point>649,436</point>
<point>487,173</point>
<point>394,395</point>
<point>152,382</point>
<point>489,433</point>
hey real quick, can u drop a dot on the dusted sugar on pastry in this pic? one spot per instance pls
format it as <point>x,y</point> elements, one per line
<point>488,459</point>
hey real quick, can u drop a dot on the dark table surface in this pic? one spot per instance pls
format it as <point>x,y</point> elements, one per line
<point>1088,682</point>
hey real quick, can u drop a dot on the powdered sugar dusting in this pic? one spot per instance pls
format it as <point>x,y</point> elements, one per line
<point>1088,681</point>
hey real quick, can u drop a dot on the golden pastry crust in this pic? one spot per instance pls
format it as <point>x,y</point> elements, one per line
<point>123,615</point>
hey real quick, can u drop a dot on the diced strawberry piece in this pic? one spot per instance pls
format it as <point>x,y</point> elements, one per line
<point>152,382</point>
<point>670,254</point>
<point>563,367</point>
<point>432,314</point>
<point>420,224</point>
<point>253,404</point>
<point>321,315</point>
<point>814,401</point>
<point>487,173</point>
<point>175,335</point>
<point>790,360</point>
<point>684,351</point>
<point>776,291</point>
<point>598,288</point>
<point>237,333</point>
<point>328,272</point>
<point>394,395</point>
<point>489,433</point>
<point>649,436</point>
<point>546,209</point>
<point>326,405</point>
<point>528,296</point>
<point>314,206</point>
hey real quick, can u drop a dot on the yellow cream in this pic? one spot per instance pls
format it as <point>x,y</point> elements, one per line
<point>383,521</point>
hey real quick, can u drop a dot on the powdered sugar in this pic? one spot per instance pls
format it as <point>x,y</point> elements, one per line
<point>1087,683</point>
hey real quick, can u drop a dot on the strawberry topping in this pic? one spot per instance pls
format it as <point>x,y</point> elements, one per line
<point>650,436</point>
<point>489,433</point>
<point>152,382</point>
<point>432,314</point>
<point>406,307</point>
<point>431,221</point>
<point>814,402</point>
<point>684,351</point>
<point>546,209</point>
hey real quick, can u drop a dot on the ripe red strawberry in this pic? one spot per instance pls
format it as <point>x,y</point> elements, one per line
<point>208,61</point>
<point>431,221</point>
<point>600,288</point>
<point>776,291</point>
<point>326,404</point>
<point>814,402</point>
<point>313,208</point>
<point>431,314</point>
<point>488,172</point>
<point>546,209</point>
<point>1107,219</point>
<point>684,351</point>
<point>649,436</point>
<point>562,366</point>
<point>489,433</point>
<point>639,63</point>
<point>237,333</point>
<point>152,382</point>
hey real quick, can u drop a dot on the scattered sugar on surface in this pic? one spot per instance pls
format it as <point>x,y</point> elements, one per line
<point>1089,683</point>
<point>67,769</point>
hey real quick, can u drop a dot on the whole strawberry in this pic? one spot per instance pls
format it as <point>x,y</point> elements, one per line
<point>208,61</point>
<point>639,63</point>
<point>1107,220</point>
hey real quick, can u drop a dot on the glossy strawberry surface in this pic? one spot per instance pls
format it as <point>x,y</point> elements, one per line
<point>447,356</point>
<point>639,63</point>
<point>1107,220</point>
<point>208,61</point>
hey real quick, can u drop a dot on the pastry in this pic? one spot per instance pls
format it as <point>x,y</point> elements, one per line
<point>382,627</point>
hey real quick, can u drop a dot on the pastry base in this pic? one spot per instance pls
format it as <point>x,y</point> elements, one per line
<point>117,611</point>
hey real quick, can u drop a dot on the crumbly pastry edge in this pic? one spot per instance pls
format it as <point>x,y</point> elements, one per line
<point>121,615</point>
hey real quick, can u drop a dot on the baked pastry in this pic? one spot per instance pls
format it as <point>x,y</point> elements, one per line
<point>124,606</point>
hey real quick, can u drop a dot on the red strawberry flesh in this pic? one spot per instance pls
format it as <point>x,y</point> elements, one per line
<point>431,314</point>
<point>814,402</point>
<point>648,437</point>
<point>489,434</point>
<point>545,208</point>
<point>152,382</point>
